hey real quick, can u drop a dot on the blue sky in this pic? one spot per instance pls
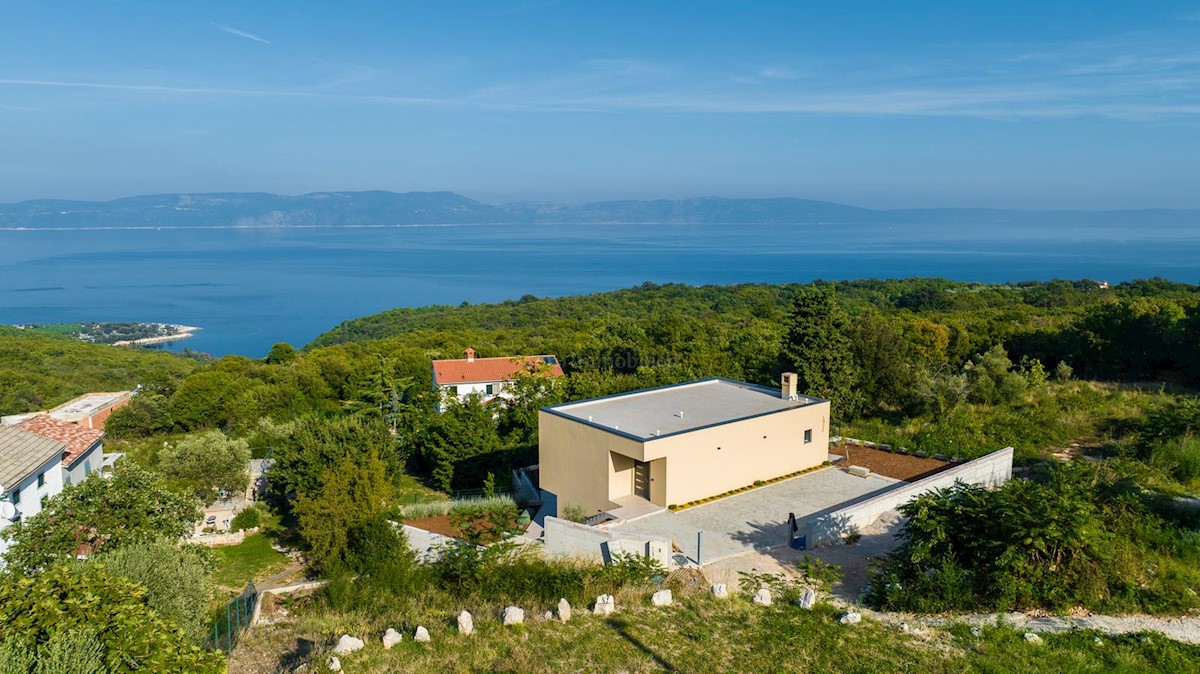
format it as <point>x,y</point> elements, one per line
<point>888,104</point>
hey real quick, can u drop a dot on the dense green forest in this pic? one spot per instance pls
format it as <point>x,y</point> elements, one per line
<point>1057,370</point>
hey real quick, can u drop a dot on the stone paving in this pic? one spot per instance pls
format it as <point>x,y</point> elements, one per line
<point>755,520</point>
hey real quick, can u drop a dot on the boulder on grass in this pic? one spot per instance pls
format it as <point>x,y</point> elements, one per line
<point>564,610</point>
<point>334,664</point>
<point>719,590</point>
<point>466,623</point>
<point>808,599</point>
<point>605,605</point>
<point>850,618</point>
<point>390,638</point>
<point>421,635</point>
<point>514,616</point>
<point>1032,638</point>
<point>762,597</point>
<point>348,644</point>
<point>662,598</point>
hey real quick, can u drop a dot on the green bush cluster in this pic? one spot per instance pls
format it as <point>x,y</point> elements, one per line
<point>1077,536</point>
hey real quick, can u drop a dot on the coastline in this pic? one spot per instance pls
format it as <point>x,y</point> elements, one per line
<point>181,332</point>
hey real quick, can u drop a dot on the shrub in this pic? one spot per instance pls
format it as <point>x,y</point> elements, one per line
<point>250,518</point>
<point>1077,536</point>
<point>80,608</point>
<point>574,513</point>
<point>177,578</point>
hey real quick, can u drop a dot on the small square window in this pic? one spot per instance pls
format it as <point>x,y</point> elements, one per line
<point>808,436</point>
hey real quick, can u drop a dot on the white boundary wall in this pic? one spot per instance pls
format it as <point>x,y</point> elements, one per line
<point>991,470</point>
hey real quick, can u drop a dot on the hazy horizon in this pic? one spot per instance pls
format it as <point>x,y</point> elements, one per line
<point>1019,105</point>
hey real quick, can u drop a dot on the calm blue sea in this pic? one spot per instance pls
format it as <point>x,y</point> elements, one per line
<point>249,288</point>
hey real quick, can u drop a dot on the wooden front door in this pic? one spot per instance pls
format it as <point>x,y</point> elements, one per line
<point>641,479</point>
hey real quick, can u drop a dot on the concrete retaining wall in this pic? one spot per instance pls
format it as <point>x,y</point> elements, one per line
<point>564,538</point>
<point>829,527</point>
<point>423,542</point>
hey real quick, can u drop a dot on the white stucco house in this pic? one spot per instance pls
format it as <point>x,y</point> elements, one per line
<point>31,472</point>
<point>489,378</point>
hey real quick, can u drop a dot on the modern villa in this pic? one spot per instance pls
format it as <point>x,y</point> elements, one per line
<point>676,444</point>
<point>489,378</point>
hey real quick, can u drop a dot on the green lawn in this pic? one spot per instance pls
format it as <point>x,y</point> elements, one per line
<point>410,490</point>
<point>701,634</point>
<point>253,558</point>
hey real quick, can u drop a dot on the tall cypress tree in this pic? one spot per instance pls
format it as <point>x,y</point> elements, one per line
<point>817,348</point>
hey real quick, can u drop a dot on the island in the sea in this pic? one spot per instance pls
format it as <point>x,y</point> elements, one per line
<point>116,333</point>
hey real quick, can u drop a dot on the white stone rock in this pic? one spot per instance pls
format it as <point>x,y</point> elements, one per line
<point>466,623</point>
<point>334,664</point>
<point>1097,641</point>
<point>719,590</point>
<point>808,599</point>
<point>549,615</point>
<point>1032,638</point>
<point>763,596</point>
<point>390,638</point>
<point>564,610</point>
<point>348,644</point>
<point>421,635</point>
<point>514,616</point>
<point>850,618</point>
<point>905,628</point>
<point>605,605</point>
<point>662,598</point>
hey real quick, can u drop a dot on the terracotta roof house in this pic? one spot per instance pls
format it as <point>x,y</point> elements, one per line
<point>84,447</point>
<point>30,472</point>
<point>488,377</point>
<point>676,444</point>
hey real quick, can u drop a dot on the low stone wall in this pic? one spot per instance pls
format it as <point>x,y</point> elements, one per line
<point>221,539</point>
<point>829,527</point>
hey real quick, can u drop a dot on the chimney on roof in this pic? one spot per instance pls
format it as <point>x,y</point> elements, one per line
<point>787,386</point>
<point>470,354</point>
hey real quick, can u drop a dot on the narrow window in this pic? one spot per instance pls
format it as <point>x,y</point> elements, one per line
<point>808,436</point>
<point>490,389</point>
<point>45,500</point>
<point>41,479</point>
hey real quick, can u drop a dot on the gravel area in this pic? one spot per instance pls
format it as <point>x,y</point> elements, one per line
<point>889,464</point>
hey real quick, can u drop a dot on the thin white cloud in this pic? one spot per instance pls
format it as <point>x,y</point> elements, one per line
<point>240,33</point>
<point>221,91</point>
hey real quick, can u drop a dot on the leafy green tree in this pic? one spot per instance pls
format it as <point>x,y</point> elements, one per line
<point>207,464</point>
<point>464,430</point>
<point>145,415</point>
<point>818,349</point>
<point>532,389</point>
<point>351,493</point>
<point>178,580</point>
<point>318,444</point>
<point>281,353</point>
<point>884,358</point>
<point>82,607</point>
<point>992,378</point>
<point>133,506</point>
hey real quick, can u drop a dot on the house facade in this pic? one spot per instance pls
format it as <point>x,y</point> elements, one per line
<point>488,378</point>
<point>676,444</point>
<point>30,474</point>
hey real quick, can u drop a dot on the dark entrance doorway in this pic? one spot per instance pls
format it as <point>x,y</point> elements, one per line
<point>641,479</point>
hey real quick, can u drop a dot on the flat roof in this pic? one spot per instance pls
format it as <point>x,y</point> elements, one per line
<point>22,453</point>
<point>679,408</point>
<point>86,405</point>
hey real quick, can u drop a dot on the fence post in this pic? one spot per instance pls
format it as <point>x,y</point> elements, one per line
<point>699,539</point>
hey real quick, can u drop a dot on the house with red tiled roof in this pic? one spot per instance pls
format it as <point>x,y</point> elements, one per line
<point>489,378</point>
<point>84,452</point>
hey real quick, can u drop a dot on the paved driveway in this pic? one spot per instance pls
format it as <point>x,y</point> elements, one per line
<point>757,519</point>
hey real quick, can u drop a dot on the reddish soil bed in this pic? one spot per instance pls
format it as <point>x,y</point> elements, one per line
<point>889,464</point>
<point>442,525</point>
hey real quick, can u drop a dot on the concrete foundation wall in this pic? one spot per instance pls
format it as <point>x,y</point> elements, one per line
<point>564,538</point>
<point>991,470</point>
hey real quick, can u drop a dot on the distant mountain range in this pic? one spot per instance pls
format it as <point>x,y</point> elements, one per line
<point>255,209</point>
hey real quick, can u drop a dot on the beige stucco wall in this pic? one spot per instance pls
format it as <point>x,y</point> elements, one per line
<point>712,461</point>
<point>590,467</point>
<point>577,466</point>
